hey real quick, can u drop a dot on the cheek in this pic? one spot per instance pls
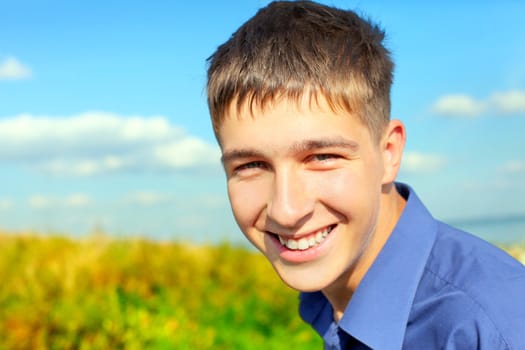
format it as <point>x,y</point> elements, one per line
<point>247,202</point>
<point>352,194</point>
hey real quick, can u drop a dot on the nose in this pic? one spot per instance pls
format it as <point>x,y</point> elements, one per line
<point>290,202</point>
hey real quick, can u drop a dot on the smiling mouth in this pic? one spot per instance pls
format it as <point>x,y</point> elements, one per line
<point>306,242</point>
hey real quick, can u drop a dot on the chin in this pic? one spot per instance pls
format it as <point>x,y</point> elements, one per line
<point>302,278</point>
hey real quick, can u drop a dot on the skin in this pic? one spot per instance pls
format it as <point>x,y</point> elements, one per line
<point>296,168</point>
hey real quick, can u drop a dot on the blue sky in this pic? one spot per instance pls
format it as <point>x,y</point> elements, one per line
<point>104,123</point>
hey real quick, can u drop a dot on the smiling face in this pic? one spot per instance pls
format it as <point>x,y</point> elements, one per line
<point>307,188</point>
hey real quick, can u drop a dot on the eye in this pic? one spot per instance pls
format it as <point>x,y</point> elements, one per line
<point>322,157</point>
<point>323,161</point>
<point>250,166</point>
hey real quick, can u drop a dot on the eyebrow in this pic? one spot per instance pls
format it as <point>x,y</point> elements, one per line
<point>298,147</point>
<point>239,154</point>
<point>309,145</point>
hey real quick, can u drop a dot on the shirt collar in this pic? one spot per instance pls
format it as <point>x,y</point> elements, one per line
<point>378,312</point>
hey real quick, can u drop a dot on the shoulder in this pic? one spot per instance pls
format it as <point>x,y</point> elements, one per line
<point>470,292</point>
<point>452,319</point>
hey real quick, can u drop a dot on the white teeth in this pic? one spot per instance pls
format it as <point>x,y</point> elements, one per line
<point>305,243</point>
<point>291,244</point>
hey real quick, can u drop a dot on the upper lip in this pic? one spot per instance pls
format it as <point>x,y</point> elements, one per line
<point>297,236</point>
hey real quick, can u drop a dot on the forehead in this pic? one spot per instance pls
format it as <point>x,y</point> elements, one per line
<point>285,123</point>
<point>306,96</point>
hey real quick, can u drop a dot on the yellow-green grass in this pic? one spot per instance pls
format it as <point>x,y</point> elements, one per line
<point>106,293</point>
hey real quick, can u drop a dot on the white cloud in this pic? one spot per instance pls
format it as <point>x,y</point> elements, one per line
<point>40,201</point>
<point>213,201</point>
<point>516,166</point>
<point>5,204</point>
<point>509,102</point>
<point>500,103</point>
<point>416,162</point>
<point>88,133</point>
<point>75,200</point>
<point>458,105</point>
<point>85,167</point>
<point>186,152</point>
<point>12,69</point>
<point>147,198</point>
<point>98,143</point>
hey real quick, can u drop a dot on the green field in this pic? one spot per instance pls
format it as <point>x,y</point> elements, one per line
<point>106,293</point>
<point>103,293</point>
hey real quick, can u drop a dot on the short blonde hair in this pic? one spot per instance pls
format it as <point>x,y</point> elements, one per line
<point>289,49</point>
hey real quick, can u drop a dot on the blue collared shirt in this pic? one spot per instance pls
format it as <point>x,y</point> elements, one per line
<point>431,287</point>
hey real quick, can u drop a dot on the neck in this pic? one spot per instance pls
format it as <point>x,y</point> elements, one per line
<point>340,292</point>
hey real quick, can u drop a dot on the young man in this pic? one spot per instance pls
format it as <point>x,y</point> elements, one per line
<point>300,103</point>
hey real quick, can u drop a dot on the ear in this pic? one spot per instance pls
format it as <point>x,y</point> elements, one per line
<point>392,146</point>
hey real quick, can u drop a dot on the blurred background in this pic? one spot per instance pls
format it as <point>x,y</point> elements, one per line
<point>104,123</point>
<point>105,132</point>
